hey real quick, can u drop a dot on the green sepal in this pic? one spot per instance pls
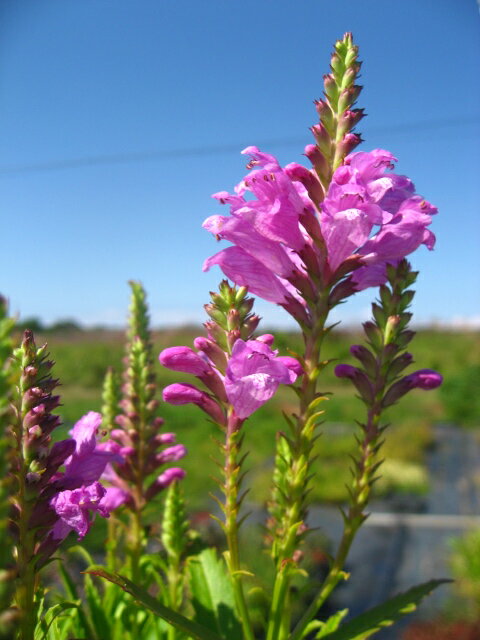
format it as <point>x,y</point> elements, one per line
<point>142,597</point>
<point>384,615</point>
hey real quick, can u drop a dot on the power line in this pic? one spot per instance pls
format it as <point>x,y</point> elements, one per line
<point>191,152</point>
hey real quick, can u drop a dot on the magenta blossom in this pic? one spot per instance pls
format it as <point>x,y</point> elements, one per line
<point>253,374</point>
<point>74,508</point>
<point>164,480</point>
<point>370,217</point>
<point>90,458</point>
<point>425,379</point>
<point>183,393</point>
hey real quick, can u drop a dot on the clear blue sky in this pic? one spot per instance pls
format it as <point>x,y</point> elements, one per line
<point>90,88</point>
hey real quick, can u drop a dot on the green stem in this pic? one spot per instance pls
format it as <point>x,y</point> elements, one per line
<point>231,488</point>
<point>280,612</point>
<point>352,521</point>
<point>25,589</point>
<point>111,557</point>
<point>173,578</point>
<point>26,577</point>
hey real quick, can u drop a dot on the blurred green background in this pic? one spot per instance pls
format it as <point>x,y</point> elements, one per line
<point>82,358</point>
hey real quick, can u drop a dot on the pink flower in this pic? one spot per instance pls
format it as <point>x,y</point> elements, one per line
<point>164,480</point>
<point>362,195</point>
<point>89,459</point>
<point>247,271</point>
<point>273,233</point>
<point>185,360</point>
<point>253,375</point>
<point>425,379</point>
<point>74,507</point>
<point>183,393</point>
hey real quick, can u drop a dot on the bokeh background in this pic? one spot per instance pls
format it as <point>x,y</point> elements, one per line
<point>119,119</point>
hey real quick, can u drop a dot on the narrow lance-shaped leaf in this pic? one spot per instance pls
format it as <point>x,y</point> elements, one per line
<point>192,629</point>
<point>385,615</point>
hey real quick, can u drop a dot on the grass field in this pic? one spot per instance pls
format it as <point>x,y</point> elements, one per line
<point>82,358</point>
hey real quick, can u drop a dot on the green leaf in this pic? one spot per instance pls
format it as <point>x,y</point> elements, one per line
<point>50,616</point>
<point>385,615</point>
<point>72,593</point>
<point>325,626</point>
<point>212,595</point>
<point>191,628</point>
<point>96,608</point>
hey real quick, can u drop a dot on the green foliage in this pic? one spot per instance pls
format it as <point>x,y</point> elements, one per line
<point>465,567</point>
<point>461,397</point>
<point>385,615</point>
<point>82,361</point>
<point>111,399</point>
<point>212,595</point>
<point>326,627</point>
<point>142,597</point>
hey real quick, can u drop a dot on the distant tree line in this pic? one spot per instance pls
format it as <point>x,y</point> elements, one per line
<point>37,326</point>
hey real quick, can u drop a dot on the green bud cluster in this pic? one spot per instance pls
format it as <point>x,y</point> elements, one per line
<point>231,317</point>
<point>110,400</point>
<point>174,538</point>
<point>138,403</point>
<point>175,524</point>
<point>382,361</point>
<point>333,136</point>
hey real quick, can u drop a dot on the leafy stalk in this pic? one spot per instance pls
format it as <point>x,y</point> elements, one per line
<point>138,419</point>
<point>174,537</point>
<point>289,501</point>
<point>231,320</point>
<point>382,362</point>
<point>8,616</point>
<point>32,467</point>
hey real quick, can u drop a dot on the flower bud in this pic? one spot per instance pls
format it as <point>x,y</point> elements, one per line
<point>212,351</point>
<point>359,379</point>
<point>425,379</point>
<point>170,454</point>
<point>365,356</point>
<point>164,480</point>
<point>179,394</point>
<point>183,359</point>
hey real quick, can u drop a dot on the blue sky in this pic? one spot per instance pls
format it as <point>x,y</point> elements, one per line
<point>119,118</point>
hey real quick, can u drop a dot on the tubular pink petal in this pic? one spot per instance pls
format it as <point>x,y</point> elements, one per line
<point>185,360</point>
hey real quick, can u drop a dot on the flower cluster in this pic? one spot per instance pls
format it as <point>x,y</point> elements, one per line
<point>50,501</point>
<point>285,245</point>
<point>83,470</point>
<point>253,373</point>
<point>134,425</point>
